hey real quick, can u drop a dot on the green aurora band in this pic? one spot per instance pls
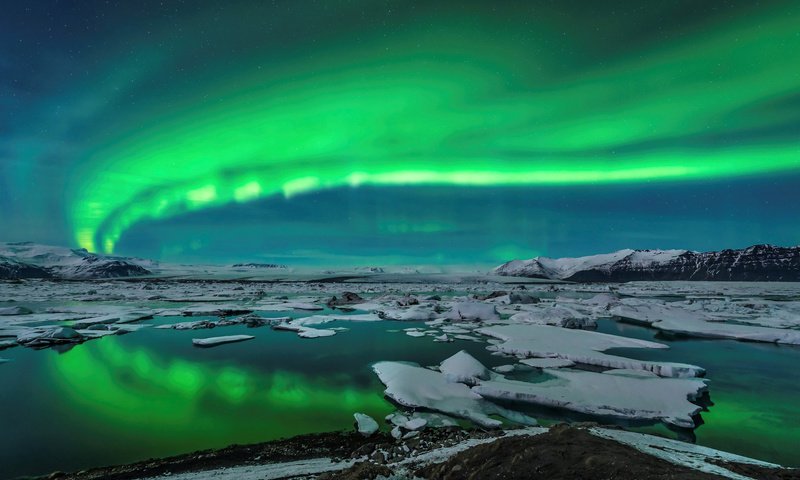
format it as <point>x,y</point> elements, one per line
<point>462,101</point>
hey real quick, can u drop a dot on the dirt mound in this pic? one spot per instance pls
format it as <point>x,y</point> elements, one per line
<point>561,453</point>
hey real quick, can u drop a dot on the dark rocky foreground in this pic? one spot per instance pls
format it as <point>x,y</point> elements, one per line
<point>562,453</point>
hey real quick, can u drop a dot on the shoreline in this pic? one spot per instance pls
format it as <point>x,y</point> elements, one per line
<point>562,451</point>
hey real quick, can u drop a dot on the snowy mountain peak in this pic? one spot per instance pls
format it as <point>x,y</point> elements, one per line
<point>755,263</point>
<point>31,260</point>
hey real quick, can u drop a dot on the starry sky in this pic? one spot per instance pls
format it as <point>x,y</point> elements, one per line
<point>398,131</point>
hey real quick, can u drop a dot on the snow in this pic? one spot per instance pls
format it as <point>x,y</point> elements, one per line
<point>463,368</point>
<point>416,424</point>
<point>545,363</point>
<point>473,311</point>
<point>419,420</point>
<point>556,315</point>
<point>304,332</point>
<point>213,341</point>
<point>70,263</point>
<point>580,346</point>
<point>685,322</point>
<point>415,387</point>
<point>440,455</point>
<point>419,313</point>
<point>268,471</point>
<point>315,333</point>
<point>14,311</point>
<point>562,268</point>
<point>365,424</point>
<point>614,393</point>
<point>681,453</point>
<point>46,337</point>
<point>323,319</point>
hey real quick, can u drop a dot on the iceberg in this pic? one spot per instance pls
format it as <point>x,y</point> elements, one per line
<point>580,346</point>
<point>214,341</point>
<point>415,387</point>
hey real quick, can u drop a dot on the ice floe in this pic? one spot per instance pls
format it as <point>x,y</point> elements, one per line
<point>365,424</point>
<point>214,341</point>
<point>464,368</point>
<point>580,346</point>
<point>47,337</point>
<point>617,394</point>
<point>682,321</point>
<point>415,387</point>
<point>304,332</point>
<point>556,315</point>
<point>476,311</point>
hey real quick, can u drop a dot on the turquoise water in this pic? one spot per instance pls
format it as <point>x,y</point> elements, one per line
<point>151,393</point>
<point>755,389</point>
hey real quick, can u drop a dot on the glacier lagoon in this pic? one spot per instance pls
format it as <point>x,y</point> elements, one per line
<point>151,393</point>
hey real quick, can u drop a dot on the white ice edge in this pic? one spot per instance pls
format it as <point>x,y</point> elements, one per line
<point>212,341</point>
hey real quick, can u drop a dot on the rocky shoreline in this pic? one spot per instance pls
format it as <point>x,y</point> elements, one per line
<point>561,452</point>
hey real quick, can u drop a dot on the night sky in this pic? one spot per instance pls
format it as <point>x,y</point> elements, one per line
<point>398,132</point>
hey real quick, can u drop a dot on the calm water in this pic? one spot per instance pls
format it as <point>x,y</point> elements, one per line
<point>151,393</point>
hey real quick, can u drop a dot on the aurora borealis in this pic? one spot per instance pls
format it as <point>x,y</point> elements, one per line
<point>506,128</point>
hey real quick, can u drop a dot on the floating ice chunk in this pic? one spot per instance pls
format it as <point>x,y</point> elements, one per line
<point>432,420</point>
<point>213,341</point>
<point>416,313</point>
<point>504,368</point>
<point>47,337</point>
<point>15,311</point>
<point>323,319</point>
<point>443,338</point>
<point>436,420</point>
<point>288,306</point>
<point>316,333</point>
<point>580,346</point>
<point>464,368</point>
<point>468,338</point>
<point>485,312</point>
<point>549,363</point>
<point>416,424</point>
<point>454,329</point>
<point>602,301</point>
<point>305,332</point>
<point>365,424</point>
<point>415,333</point>
<point>413,386</point>
<point>121,317</point>
<point>556,315</point>
<point>609,394</point>
<point>195,325</point>
<point>684,322</point>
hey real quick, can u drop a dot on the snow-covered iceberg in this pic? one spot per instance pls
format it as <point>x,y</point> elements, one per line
<point>695,324</point>
<point>580,346</point>
<point>415,387</point>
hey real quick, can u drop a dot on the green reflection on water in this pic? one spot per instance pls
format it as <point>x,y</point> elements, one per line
<point>125,387</point>
<point>753,387</point>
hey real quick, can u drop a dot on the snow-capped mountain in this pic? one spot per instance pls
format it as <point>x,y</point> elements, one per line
<point>31,260</point>
<point>756,263</point>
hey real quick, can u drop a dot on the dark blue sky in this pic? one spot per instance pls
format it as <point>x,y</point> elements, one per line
<point>376,132</point>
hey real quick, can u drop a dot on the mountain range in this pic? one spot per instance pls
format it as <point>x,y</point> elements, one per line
<point>757,263</point>
<point>31,260</point>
